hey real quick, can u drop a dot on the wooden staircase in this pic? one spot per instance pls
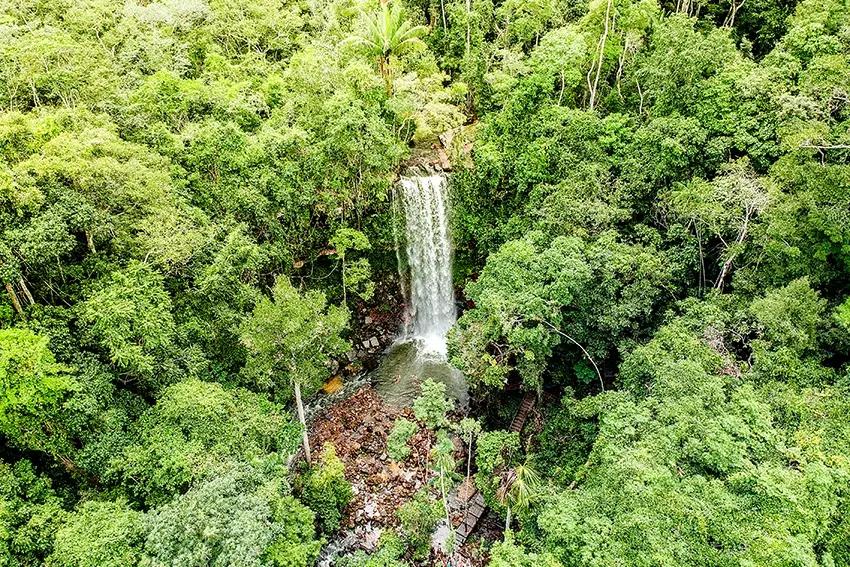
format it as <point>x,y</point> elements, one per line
<point>525,408</point>
<point>470,520</point>
<point>477,507</point>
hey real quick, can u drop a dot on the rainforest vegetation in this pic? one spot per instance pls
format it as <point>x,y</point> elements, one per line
<point>651,226</point>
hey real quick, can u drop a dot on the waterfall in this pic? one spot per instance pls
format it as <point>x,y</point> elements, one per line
<point>431,301</point>
<point>424,250</point>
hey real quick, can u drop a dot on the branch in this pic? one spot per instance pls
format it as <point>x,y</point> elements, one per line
<point>809,144</point>
<point>575,342</point>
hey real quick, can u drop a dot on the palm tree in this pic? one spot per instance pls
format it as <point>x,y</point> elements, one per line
<point>517,488</point>
<point>388,33</point>
<point>444,464</point>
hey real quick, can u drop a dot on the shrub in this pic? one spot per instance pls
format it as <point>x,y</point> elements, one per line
<point>497,450</point>
<point>399,437</point>
<point>326,491</point>
<point>432,406</point>
<point>389,552</point>
<point>418,519</point>
<point>99,534</point>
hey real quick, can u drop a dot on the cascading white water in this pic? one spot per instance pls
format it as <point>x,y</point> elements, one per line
<point>425,270</point>
<point>429,255</point>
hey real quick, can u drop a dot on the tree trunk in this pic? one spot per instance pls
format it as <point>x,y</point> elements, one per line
<point>602,41</point>
<point>90,242</point>
<point>384,64</point>
<point>727,265</point>
<point>445,498</point>
<point>25,290</point>
<point>15,303</point>
<point>344,293</point>
<point>468,27</point>
<point>468,474</point>
<point>300,406</point>
<point>469,459</point>
<point>508,520</point>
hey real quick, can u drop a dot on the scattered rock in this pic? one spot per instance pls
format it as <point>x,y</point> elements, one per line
<point>358,427</point>
<point>370,510</point>
<point>374,342</point>
<point>367,320</point>
<point>370,538</point>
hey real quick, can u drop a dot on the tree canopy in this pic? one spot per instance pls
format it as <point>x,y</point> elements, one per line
<point>649,205</point>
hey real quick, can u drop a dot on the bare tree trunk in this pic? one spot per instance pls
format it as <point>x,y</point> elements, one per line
<point>90,242</point>
<point>445,498</point>
<point>468,474</point>
<point>561,94</point>
<point>469,459</point>
<point>468,27</point>
<point>344,292</point>
<point>508,520</point>
<point>384,64</point>
<point>443,14</point>
<point>733,11</point>
<point>640,92</point>
<point>26,291</point>
<point>15,303</point>
<point>602,41</point>
<point>701,260</point>
<point>300,406</point>
<point>727,265</point>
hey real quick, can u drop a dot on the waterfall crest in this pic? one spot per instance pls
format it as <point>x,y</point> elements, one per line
<point>431,308</point>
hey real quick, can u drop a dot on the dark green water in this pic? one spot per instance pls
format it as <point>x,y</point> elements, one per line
<point>403,369</point>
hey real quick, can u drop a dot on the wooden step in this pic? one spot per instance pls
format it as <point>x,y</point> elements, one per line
<point>476,506</point>
<point>522,413</point>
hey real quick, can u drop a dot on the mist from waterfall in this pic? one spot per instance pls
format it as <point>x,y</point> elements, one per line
<point>431,309</point>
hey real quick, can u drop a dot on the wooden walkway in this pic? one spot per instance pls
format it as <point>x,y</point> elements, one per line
<point>477,507</point>
<point>525,408</point>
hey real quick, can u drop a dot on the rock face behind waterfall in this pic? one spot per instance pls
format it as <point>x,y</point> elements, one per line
<point>428,249</point>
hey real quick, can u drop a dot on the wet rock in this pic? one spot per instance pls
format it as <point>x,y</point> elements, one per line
<point>370,538</point>
<point>370,510</point>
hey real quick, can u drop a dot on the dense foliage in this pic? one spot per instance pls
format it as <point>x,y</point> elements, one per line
<point>651,220</point>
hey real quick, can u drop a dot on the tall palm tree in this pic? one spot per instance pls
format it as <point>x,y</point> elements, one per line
<point>387,33</point>
<point>517,488</point>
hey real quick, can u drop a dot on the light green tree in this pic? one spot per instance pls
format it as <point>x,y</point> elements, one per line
<point>326,491</point>
<point>128,314</point>
<point>432,405</point>
<point>290,339</point>
<point>398,441</point>
<point>99,534</point>
<point>356,274</point>
<point>33,387</point>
